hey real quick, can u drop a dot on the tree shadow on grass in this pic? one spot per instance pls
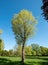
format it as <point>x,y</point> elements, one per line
<point>4,61</point>
<point>43,58</point>
<point>37,63</point>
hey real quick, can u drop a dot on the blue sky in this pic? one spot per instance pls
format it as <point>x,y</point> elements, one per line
<point>9,7</point>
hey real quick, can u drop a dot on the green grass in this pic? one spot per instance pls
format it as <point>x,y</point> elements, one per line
<point>28,61</point>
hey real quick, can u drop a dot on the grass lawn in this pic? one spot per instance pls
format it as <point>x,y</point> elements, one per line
<point>28,61</point>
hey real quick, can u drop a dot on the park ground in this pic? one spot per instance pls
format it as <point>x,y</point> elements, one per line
<point>28,61</point>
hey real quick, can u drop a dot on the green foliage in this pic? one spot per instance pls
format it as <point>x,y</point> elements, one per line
<point>1,45</point>
<point>36,48</point>
<point>1,31</point>
<point>4,53</point>
<point>23,25</point>
<point>33,52</point>
<point>47,52</point>
<point>28,50</point>
<point>43,50</point>
<point>11,53</point>
<point>19,50</point>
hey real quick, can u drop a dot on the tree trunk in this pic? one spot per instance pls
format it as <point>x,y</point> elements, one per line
<point>23,56</point>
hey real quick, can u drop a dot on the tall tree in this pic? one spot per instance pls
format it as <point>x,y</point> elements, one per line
<point>45,8</point>
<point>0,33</point>
<point>1,42</point>
<point>23,25</point>
<point>1,45</point>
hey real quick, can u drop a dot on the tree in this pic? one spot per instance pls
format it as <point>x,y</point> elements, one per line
<point>47,52</point>
<point>19,50</point>
<point>4,53</point>
<point>28,50</point>
<point>45,8</point>
<point>1,32</point>
<point>1,45</point>
<point>43,50</point>
<point>33,52</point>
<point>11,53</point>
<point>23,25</point>
<point>36,48</point>
<point>1,42</point>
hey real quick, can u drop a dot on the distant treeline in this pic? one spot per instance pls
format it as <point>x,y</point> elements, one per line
<point>32,50</point>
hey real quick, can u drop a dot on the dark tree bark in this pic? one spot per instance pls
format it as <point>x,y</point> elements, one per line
<point>23,55</point>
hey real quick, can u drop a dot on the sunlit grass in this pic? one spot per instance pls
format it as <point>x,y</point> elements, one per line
<point>28,61</point>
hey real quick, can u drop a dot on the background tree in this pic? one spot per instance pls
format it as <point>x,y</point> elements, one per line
<point>33,52</point>
<point>28,50</point>
<point>43,50</point>
<point>23,25</point>
<point>19,50</point>
<point>47,52</point>
<point>1,43</point>
<point>1,31</point>
<point>4,53</point>
<point>11,53</point>
<point>45,8</point>
<point>36,48</point>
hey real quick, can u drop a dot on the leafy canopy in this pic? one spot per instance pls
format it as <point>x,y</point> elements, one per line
<point>23,25</point>
<point>1,31</point>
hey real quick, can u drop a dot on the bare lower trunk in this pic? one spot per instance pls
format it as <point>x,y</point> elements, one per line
<point>23,56</point>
